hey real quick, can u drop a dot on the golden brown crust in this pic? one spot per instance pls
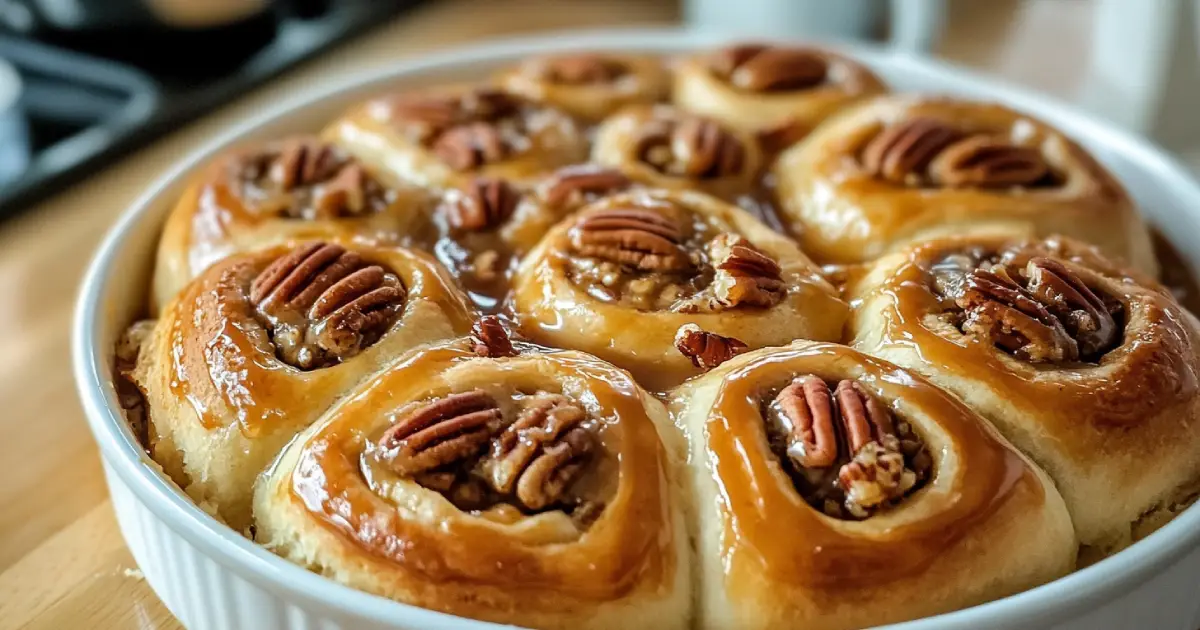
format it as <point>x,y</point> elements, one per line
<point>666,147</point>
<point>589,85</point>
<point>553,309</point>
<point>222,403</point>
<point>628,566</point>
<point>766,91</point>
<point>1114,433</point>
<point>966,537</point>
<point>845,213</point>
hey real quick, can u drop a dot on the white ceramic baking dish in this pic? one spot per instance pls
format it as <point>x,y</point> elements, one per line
<point>210,577</point>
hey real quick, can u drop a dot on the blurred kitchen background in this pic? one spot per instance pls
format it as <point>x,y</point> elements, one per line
<point>87,80</point>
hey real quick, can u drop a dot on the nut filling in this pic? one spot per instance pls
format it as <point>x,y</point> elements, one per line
<point>469,131</point>
<point>691,147</point>
<point>846,453</point>
<point>668,259</point>
<point>923,152</point>
<point>583,69</point>
<point>308,179</point>
<point>533,452</point>
<point>1035,308</point>
<point>322,304</point>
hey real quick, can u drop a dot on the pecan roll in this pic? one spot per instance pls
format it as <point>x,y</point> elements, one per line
<point>323,304</point>
<point>848,455</point>
<point>485,204</point>
<point>1042,312</point>
<point>690,147</point>
<point>926,151</point>
<point>641,239</point>
<point>306,178</point>
<point>706,350</point>
<point>763,68</point>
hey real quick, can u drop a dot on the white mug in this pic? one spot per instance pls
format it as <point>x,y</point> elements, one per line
<point>915,24</point>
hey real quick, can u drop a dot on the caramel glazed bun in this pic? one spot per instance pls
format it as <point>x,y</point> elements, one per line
<point>444,137</point>
<point>621,276</point>
<point>589,85</point>
<point>285,191</point>
<point>779,92</point>
<point>833,490</point>
<point>524,486</point>
<point>1088,368</point>
<point>260,344</point>
<point>899,169</point>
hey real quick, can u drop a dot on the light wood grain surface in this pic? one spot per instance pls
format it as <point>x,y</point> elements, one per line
<point>62,561</point>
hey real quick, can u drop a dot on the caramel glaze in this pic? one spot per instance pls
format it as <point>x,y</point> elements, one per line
<point>757,498</point>
<point>222,359</point>
<point>1154,368</point>
<point>628,548</point>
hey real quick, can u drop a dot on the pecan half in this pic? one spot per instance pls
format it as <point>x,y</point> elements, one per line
<point>706,350</point>
<point>573,186</point>
<point>924,151</point>
<point>304,163</point>
<point>987,162</point>
<point>634,237</point>
<point>1083,313</point>
<point>901,152</point>
<point>471,145</point>
<point>485,204</point>
<point>691,147</point>
<point>584,69</point>
<point>883,459</point>
<point>441,432</point>
<point>324,304</point>
<point>745,275</point>
<point>489,338</point>
<point>539,456</point>
<point>760,68</point>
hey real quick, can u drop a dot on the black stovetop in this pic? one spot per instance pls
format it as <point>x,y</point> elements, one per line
<point>87,98</point>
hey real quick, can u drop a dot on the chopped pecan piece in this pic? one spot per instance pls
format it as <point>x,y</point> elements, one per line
<point>901,152</point>
<point>745,275</point>
<point>634,237</point>
<point>583,69</point>
<point>760,68</point>
<point>987,162</point>
<point>539,456</point>
<point>439,433</point>
<point>1044,313</point>
<point>573,186</point>
<point>883,459</point>
<point>690,147</point>
<point>705,349</point>
<point>489,338</point>
<point>485,204</point>
<point>323,304</point>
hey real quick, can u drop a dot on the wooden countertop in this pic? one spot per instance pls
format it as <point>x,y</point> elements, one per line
<point>62,561</point>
